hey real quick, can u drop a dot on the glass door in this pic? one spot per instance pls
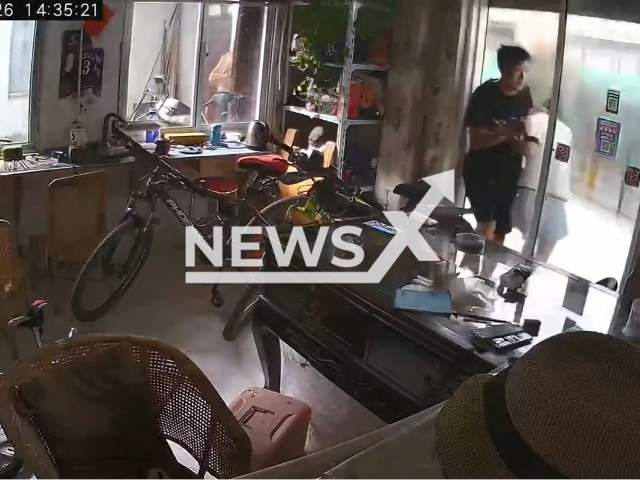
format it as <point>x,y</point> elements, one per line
<point>591,200</point>
<point>579,191</point>
<point>537,33</point>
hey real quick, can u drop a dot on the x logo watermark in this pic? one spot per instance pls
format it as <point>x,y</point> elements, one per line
<point>408,236</point>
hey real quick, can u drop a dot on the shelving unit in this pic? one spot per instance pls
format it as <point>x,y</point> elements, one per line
<point>325,117</point>
<point>365,67</point>
<point>348,68</point>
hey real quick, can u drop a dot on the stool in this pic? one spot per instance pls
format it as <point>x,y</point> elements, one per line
<point>218,184</point>
<point>277,426</point>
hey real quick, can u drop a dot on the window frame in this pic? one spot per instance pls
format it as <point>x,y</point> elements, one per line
<point>34,86</point>
<point>19,93</point>
<point>262,72</point>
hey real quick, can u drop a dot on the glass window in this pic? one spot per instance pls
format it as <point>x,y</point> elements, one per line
<point>16,60</point>
<point>226,62</point>
<point>162,62</point>
<point>592,195</point>
<point>230,78</point>
<point>21,61</point>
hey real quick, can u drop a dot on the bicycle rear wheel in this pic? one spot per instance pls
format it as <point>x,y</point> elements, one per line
<point>113,266</point>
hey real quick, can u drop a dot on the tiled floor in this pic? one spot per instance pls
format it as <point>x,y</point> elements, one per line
<point>602,236</point>
<point>161,305</point>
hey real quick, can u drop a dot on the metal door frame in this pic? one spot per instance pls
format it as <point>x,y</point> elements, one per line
<point>530,245</point>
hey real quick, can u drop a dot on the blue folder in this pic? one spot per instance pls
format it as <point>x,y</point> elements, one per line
<point>423,301</point>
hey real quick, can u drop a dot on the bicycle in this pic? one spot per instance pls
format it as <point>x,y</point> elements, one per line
<point>10,465</point>
<point>123,261</point>
<point>328,201</point>
<point>223,107</point>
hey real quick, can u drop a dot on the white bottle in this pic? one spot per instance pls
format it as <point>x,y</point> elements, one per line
<point>77,137</point>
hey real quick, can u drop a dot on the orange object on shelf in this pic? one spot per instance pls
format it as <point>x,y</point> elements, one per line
<point>355,99</point>
<point>95,27</point>
<point>379,48</point>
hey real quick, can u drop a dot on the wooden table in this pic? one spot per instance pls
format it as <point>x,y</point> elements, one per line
<point>395,362</point>
<point>12,183</point>
<point>218,161</point>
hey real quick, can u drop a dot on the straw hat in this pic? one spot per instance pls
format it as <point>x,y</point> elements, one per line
<point>569,408</point>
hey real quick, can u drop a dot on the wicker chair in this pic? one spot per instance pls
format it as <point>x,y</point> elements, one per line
<point>188,408</point>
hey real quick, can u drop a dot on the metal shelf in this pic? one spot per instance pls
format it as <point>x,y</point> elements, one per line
<point>347,70</point>
<point>330,118</point>
<point>321,116</point>
<point>366,67</point>
<point>358,122</point>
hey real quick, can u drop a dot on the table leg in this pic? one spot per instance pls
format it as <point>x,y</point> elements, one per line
<point>268,345</point>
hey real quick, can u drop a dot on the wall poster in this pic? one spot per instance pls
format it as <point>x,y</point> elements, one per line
<point>607,137</point>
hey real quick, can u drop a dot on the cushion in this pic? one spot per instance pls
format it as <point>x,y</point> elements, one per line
<point>95,416</point>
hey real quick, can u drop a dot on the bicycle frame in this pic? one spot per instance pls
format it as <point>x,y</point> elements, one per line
<point>166,178</point>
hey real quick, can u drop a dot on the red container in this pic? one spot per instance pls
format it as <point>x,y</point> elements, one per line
<point>277,426</point>
<point>355,99</point>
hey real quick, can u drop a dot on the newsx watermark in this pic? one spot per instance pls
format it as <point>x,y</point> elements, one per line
<point>408,236</point>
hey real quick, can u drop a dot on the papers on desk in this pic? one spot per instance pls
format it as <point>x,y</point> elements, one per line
<point>30,163</point>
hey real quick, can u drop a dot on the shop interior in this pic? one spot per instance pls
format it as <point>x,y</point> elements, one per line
<point>211,198</point>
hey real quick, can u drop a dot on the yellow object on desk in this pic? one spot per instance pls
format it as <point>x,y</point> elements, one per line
<point>188,139</point>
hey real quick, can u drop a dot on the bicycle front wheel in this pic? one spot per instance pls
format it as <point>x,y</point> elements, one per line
<point>276,214</point>
<point>111,270</point>
<point>283,212</point>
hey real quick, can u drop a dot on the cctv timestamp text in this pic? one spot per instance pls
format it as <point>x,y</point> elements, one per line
<point>51,10</point>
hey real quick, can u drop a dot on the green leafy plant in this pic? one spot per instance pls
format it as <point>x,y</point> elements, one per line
<point>319,33</point>
<point>319,26</point>
<point>374,17</point>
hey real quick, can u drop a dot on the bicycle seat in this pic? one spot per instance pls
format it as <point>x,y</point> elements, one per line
<point>269,164</point>
<point>33,319</point>
<point>413,192</point>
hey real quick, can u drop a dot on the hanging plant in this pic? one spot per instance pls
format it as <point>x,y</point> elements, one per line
<point>319,32</point>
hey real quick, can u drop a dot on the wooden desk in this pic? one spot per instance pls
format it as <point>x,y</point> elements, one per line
<point>395,362</point>
<point>57,167</point>
<point>11,183</point>
<point>217,161</point>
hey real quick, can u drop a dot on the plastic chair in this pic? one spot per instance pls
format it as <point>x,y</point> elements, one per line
<point>189,410</point>
<point>329,155</point>
<point>14,297</point>
<point>290,140</point>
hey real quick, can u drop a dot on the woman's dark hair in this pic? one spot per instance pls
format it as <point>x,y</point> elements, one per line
<point>510,55</point>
